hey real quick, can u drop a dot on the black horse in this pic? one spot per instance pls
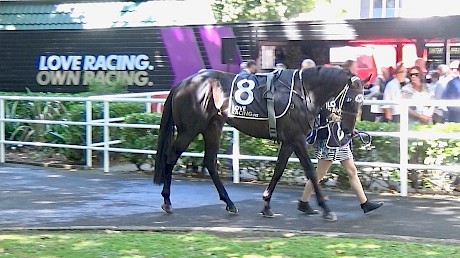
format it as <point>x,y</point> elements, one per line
<point>200,105</point>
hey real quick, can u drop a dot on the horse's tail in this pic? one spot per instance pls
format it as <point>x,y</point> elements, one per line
<point>165,139</point>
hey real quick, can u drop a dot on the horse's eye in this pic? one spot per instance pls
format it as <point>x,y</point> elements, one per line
<point>348,99</point>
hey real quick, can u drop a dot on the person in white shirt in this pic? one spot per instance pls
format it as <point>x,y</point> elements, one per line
<point>391,113</point>
<point>417,90</point>
<point>444,74</point>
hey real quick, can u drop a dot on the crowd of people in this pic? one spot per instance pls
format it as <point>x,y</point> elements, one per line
<point>415,83</point>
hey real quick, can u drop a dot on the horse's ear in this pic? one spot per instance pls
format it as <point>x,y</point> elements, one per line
<point>367,79</point>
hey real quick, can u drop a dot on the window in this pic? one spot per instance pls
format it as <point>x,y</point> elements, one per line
<point>390,8</point>
<point>268,57</point>
<point>365,8</point>
<point>378,4</point>
<point>377,10</point>
<point>380,8</point>
<point>390,4</point>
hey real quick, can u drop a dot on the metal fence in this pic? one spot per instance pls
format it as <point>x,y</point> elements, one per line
<point>108,145</point>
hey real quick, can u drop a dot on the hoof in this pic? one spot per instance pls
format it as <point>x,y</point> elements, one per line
<point>167,208</point>
<point>232,209</point>
<point>267,212</point>
<point>330,216</point>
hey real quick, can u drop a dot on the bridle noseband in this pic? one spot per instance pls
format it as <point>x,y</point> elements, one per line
<point>336,109</point>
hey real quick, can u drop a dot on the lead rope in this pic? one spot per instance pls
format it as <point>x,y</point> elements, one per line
<point>361,135</point>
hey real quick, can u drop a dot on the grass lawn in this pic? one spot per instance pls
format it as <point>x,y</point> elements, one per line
<point>153,244</point>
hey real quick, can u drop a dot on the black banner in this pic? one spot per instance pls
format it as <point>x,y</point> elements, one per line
<point>69,60</point>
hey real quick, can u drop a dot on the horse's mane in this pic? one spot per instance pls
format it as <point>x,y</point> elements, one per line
<point>322,75</point>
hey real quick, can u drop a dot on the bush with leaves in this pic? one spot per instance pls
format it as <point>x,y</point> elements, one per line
<point>98,87</point>
<point>76,135</point>
<point>41,110</point>
<point>140,138</point>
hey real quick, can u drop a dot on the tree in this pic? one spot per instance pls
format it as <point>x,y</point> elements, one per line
<point>259,10</point>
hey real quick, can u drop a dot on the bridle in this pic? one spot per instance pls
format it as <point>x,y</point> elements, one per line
<point>337,110</point>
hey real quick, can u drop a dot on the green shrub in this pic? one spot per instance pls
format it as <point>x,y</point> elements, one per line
<point>382,149</point>
<point>76,135</point>
<point>97,87</point>
<point>140,138</point>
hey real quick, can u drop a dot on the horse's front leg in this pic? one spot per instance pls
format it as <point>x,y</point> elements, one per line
<point>283,157</point>
<point>301,152</point>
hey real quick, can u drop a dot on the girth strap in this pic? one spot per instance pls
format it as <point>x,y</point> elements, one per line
<point>269,94</point>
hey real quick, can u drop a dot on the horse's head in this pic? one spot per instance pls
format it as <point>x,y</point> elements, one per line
<point>337,91</point>
<point>350,102</point>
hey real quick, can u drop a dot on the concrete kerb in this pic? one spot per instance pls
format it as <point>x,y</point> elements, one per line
<point>246,232</point>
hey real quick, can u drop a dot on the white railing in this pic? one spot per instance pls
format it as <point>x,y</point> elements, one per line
<point>106,146</point>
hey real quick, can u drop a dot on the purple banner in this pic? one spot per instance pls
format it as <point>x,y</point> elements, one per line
<point>183,52</point>
<point>211,37</point>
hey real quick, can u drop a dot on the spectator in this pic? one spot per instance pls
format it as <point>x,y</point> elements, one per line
<point>420,62</point>
<point>376,93</point>
<point>370,92</point>
<point>436,89</point>
<point>453,68</point>
<point>307,63</point>
<point>280,66</point>
<point>444,74</point>
<point>351,66</point>
<point>417,90</point>
<point>392,92</point>
<point>451,92</point>
<point>251,68</point>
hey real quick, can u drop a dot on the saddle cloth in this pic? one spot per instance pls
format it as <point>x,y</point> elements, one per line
<point>247,95</point>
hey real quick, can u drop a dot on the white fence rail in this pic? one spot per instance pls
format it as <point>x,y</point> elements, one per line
<point>107,144</point>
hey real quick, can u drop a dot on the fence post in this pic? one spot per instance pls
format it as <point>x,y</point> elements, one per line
<point>403,146</point>
<point>148,107</point>
<point>236,156</point>
<point>89,133</point>
<point>2,131</point>
<point>106,136</point>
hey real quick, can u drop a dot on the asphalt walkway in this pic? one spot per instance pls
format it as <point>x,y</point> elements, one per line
<point>35,197</point>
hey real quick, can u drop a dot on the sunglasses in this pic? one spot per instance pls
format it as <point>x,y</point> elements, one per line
<point>414,74</point>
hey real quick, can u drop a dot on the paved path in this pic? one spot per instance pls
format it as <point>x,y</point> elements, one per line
<point>38,197</point>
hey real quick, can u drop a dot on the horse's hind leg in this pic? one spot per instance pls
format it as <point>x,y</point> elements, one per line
<point>212,138</point>
<point>283,157</point>
<point>180,145</point>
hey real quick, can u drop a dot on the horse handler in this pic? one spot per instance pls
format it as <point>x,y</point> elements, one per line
<point>326,155</point>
